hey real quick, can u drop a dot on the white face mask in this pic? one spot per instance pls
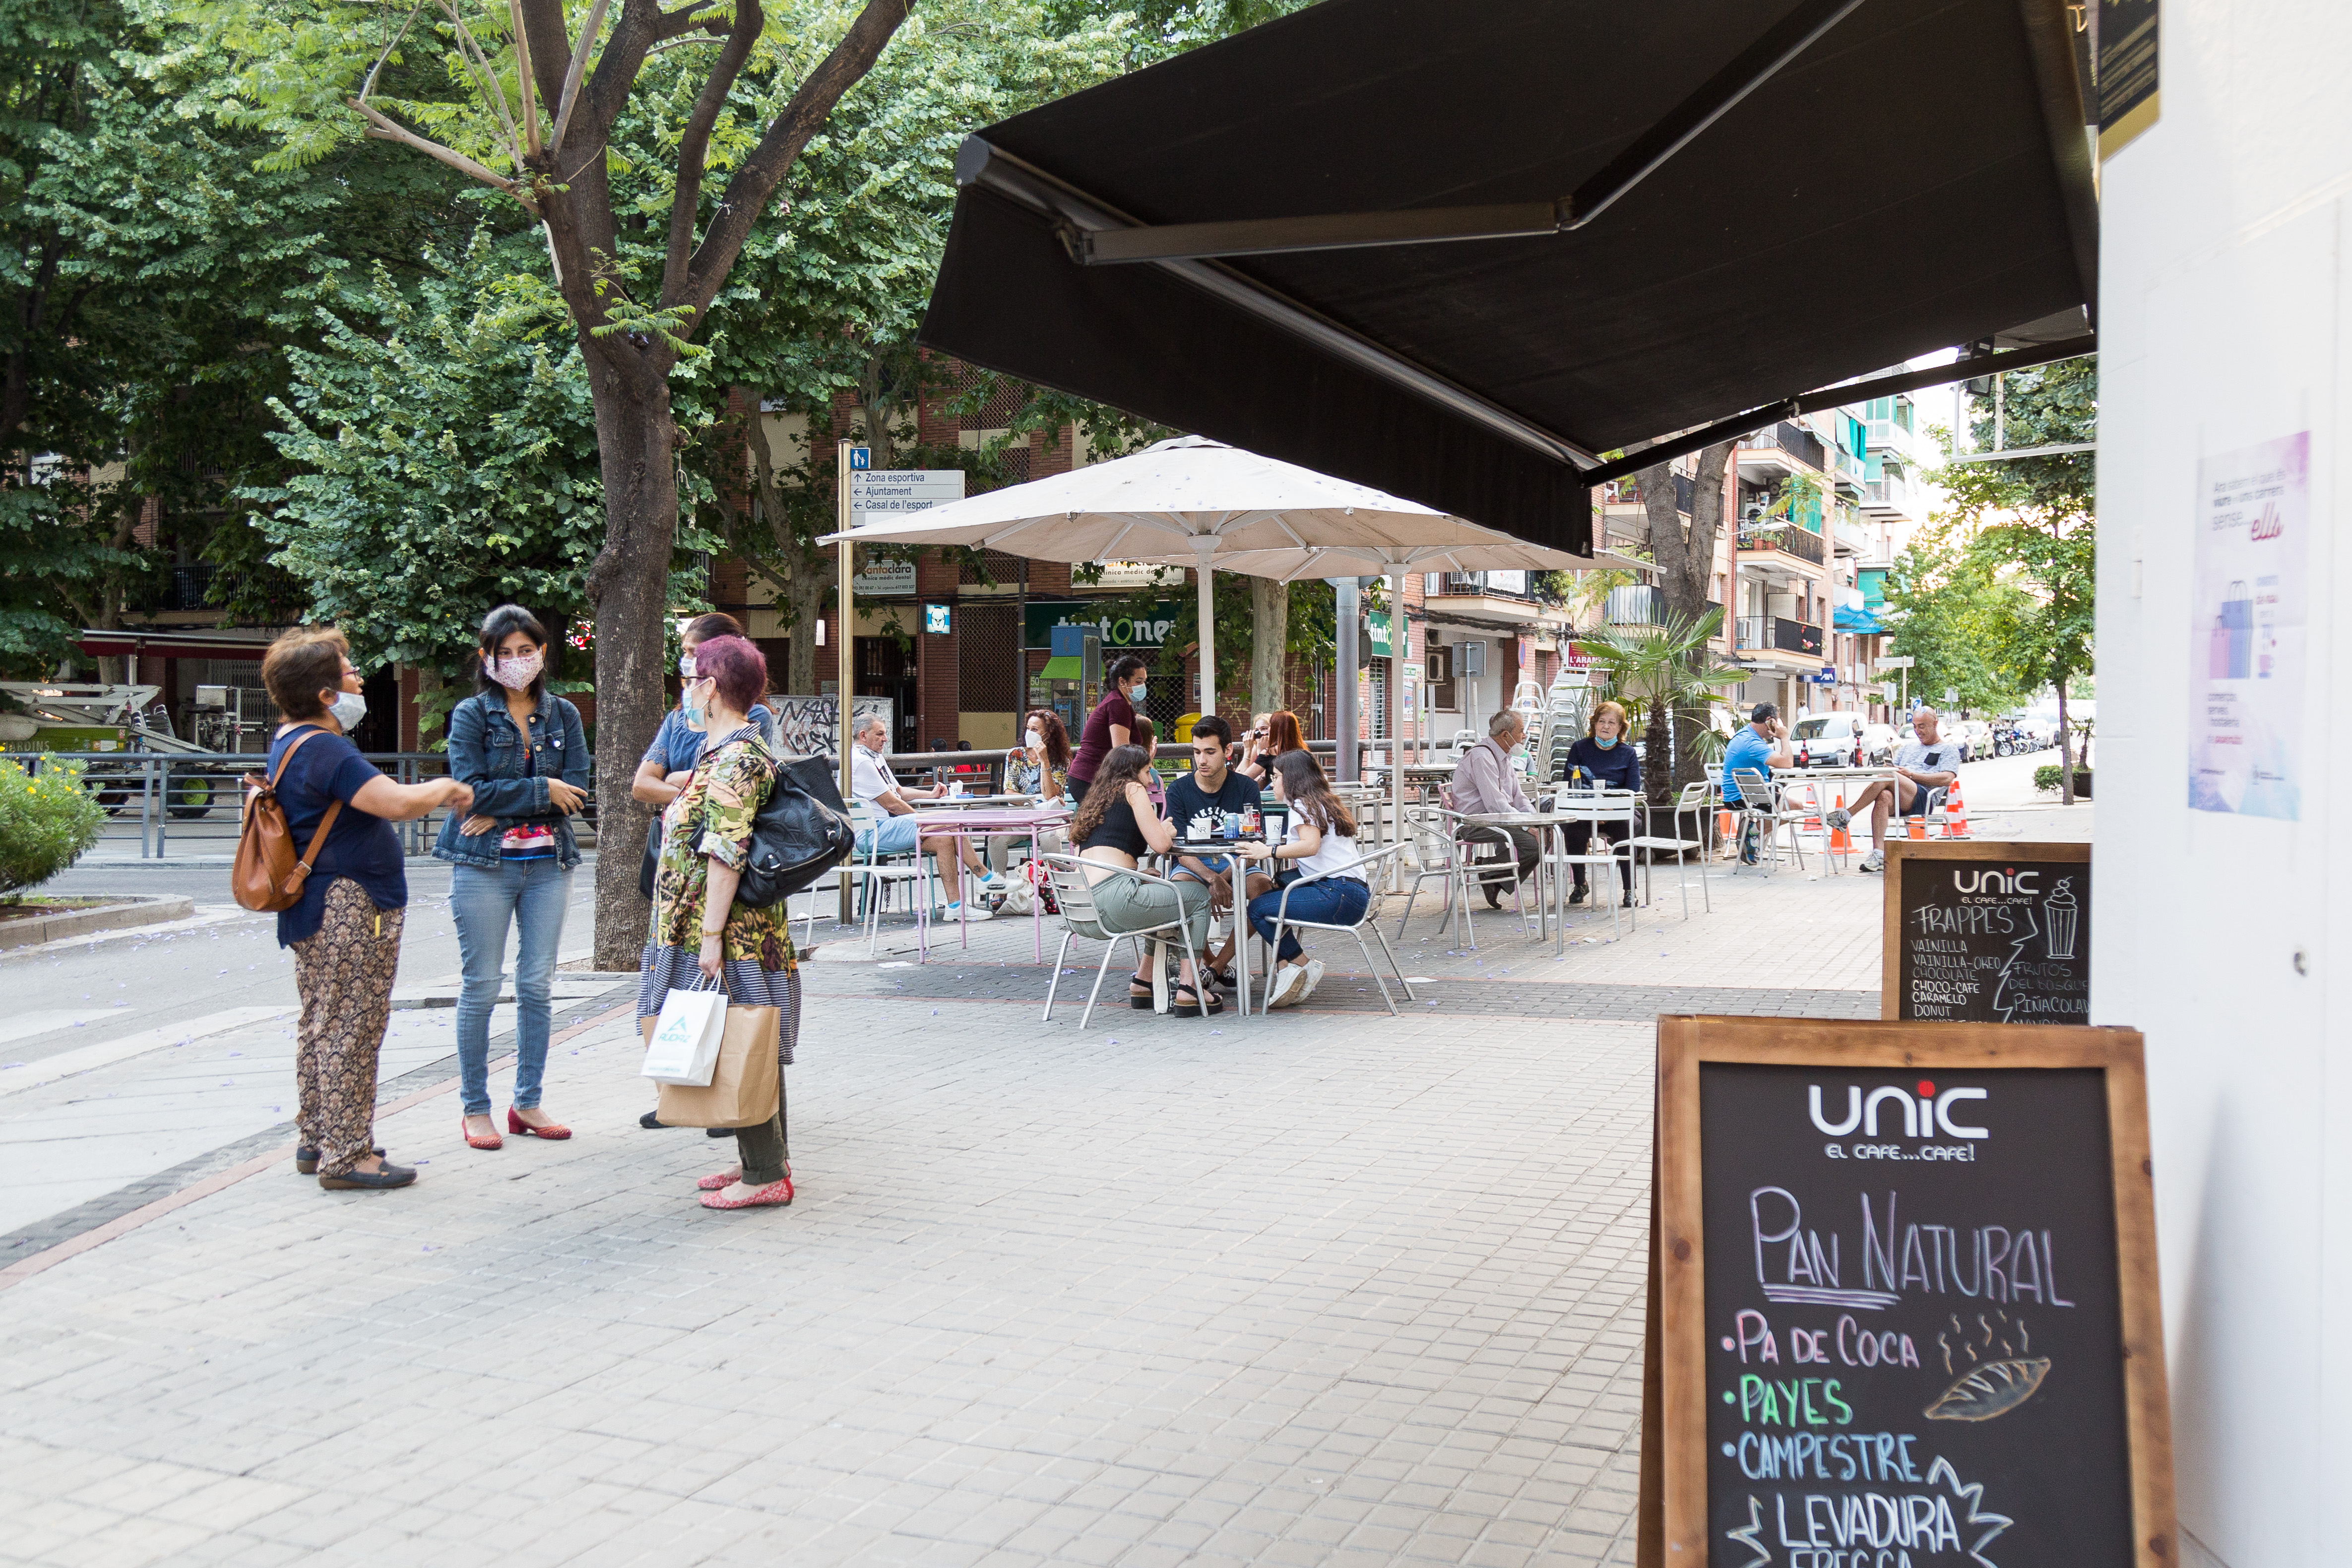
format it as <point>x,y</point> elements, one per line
<point>519,670</point>
<point>349,708</point>
<point>1036,740</point>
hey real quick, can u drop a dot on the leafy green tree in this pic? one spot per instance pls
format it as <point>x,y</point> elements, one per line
<point>1950,605</point>
<point>1668,682</point>
<point>2033,523</point>
<point>443,445</point>
<point>611,138</point>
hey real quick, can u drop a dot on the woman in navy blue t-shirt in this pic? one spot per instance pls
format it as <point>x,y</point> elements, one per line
<point>345,928</point>
<point>1606,758</point>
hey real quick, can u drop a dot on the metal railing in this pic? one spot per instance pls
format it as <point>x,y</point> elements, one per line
<point>1637,604</point>
<point>147,792</point>
<point>1791,538</point>
<point>1793,439</point>
<point>1774,631</point>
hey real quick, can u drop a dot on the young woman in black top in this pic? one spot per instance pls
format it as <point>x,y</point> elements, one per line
<point>1115,825</point>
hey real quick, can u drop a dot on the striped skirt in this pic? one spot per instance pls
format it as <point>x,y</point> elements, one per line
<point>661,970</point>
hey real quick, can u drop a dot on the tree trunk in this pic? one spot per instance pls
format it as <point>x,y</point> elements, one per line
<point>812,582</point>
<point>1685,557</point>
<point>2065,750</point>
<point>635,440</point>
<point>1269,642</point>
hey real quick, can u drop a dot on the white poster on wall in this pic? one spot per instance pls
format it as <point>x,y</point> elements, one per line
<point>2246,647</point>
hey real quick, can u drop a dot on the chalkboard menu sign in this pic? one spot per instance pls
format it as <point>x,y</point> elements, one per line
<point>1986,932</point>
<point>1904,1300</point>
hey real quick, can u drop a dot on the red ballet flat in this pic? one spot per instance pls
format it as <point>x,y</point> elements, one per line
<point>489,1140</point>
<point>722,1180</point>
<point>776,1194</point>
<point>554,1133</point>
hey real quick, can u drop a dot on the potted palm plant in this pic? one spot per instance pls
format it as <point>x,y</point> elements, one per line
<point>1668,680</point>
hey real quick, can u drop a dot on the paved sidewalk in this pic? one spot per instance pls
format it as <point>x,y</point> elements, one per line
<point>1319,1288</point>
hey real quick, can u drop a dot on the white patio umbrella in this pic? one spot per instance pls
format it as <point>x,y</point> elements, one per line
<point>1194,502</point>
<point>1190,501</point>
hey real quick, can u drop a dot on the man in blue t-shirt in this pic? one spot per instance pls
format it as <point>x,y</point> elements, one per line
<point>1760,746</point>
<point>1198,804</point>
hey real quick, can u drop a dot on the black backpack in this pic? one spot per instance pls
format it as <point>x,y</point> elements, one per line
<point>800,834</point>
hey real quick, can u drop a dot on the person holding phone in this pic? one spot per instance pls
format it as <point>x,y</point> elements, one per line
<point>1040,768</point>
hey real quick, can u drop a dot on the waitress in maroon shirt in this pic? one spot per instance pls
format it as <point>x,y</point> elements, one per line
<point>1110,724</point>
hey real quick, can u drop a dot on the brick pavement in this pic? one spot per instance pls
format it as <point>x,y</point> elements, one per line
<point>1319,1288</point>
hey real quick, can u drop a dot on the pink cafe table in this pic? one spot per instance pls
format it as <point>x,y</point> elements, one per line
<point>983,822</point>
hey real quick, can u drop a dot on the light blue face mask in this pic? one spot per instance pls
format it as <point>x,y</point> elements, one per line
<point>691,710</point>
<point>1138,691</point>
<point>1604,742</point>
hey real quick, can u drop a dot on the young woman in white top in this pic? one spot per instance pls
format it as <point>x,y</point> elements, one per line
<point>1321,838</point>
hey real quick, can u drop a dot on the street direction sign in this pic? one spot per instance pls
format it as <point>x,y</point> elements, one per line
<point>883,494</point>
<point>1897,662</point>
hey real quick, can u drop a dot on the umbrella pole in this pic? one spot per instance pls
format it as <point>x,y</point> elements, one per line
<point>1203,548</point>
<point>1399,650</point>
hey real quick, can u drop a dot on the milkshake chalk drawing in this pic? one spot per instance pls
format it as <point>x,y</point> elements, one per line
<point>1904,1309</point>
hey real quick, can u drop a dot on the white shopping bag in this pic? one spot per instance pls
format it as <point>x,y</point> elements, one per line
<point>684,1048</point>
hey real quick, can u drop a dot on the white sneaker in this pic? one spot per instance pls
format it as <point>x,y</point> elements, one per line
<point>993,882</point>
<point>1289,986</point>
<point>955,912</point>
<point>1837,816</point>
<point>1313,978</point>
<point>1874,861</point>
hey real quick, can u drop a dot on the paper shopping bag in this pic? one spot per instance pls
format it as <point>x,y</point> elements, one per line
<point>744,1083</point>
<point>682,1043</point>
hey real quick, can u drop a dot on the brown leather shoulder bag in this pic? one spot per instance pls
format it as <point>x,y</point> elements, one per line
<point>267,877</point>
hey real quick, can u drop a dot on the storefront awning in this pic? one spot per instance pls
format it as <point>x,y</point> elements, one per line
<point>1459,252</point>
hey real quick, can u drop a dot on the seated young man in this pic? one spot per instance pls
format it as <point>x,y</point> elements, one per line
<point>1922,765</point>
<point>1199,802</point>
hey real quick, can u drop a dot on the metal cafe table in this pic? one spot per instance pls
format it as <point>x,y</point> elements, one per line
<point>968,817</point>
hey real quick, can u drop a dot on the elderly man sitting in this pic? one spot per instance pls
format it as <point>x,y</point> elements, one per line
<point>871,781</point>
<point>1485,781</point>
<point>1922,765</point>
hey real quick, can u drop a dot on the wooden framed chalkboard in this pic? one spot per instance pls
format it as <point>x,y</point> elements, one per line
<point>1987,932</point>
<point>1903,1303</point>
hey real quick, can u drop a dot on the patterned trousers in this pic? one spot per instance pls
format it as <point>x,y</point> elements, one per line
<point>344,973</point>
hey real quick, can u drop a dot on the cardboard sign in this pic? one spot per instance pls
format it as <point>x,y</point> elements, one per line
<point>1903,1300</point>
<point>1986,932</point>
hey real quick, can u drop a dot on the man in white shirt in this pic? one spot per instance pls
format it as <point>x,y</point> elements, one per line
<point>871,780</point>
<point>1486,780</point>
<point>1927,763</point>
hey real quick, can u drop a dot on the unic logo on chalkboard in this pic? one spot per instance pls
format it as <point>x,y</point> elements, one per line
<point>1922,1115</point>
<point>1987,880</point>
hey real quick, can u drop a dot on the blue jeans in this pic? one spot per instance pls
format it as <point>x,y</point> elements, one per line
<point>531,895</point>
<point>1334,900</point>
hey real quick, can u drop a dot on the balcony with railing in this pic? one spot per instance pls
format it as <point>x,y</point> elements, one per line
<point>1888,496</point>
<point>1851,473</point>
<point>1788,539</point>
<point>1773,632</point>
<point>1485,585</point>
<point>1638,604</point>
<point>1793,439</point>
<point>1890,437</point>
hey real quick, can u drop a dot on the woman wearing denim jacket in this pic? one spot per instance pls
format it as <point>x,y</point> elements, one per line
<point>526,757</point>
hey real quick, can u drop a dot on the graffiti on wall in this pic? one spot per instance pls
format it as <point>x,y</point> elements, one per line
<point>810,727</point>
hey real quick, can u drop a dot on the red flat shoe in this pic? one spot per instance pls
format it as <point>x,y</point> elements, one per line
<point>723,1180</point>
<point>489,1140</point>
<point>776,1194</point>
<point>554,1133</point>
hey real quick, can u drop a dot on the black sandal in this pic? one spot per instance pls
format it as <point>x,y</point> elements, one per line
<point>1185,1000</point>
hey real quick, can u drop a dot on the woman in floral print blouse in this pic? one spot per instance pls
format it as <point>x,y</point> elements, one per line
<point>699,932</point>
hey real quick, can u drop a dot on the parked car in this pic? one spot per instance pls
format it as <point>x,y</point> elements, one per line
<point>1827,740</point>
<point>1974,736</point>
<point>1878,743</point>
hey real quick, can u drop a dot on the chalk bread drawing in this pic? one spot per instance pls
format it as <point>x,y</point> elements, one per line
<point>1989,1388</point>
<point>1993,1389</point>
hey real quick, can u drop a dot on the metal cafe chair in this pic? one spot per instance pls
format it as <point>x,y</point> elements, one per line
<point>1598,808</point>
<point>1075,894</point>
<point>879,875</point>
<point>1283,920</point>
<point>1692,802</point>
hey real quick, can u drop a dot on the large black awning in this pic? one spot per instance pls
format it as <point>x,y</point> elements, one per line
<point>1456,251</point>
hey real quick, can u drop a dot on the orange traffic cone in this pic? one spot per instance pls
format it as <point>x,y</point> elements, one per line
<point>1841,841</point>
<point>1955,813</point>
